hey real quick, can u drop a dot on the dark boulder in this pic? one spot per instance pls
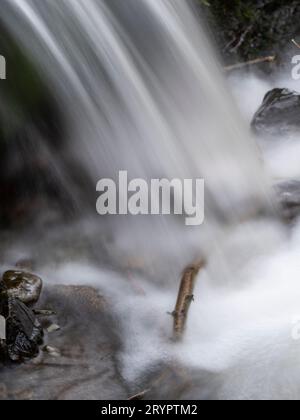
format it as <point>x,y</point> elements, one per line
<point>23,333</point>
<point>279,114</point>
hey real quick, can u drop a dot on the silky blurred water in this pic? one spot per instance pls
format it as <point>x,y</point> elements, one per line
<point>142,91</point>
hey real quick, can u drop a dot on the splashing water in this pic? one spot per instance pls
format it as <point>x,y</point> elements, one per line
<point>142,91</point>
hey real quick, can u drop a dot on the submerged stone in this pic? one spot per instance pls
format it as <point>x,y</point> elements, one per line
<point>279,114</point>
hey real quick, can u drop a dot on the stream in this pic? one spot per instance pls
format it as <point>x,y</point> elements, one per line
<point>141,89</point>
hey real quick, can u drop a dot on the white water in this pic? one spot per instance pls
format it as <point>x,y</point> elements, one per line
<point>142,91</point>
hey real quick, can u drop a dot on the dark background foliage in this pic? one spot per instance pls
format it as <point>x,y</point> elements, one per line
<point>247,29</point>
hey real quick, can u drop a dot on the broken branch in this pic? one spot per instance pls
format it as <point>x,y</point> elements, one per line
<point>241,39</point>
<point>269,59</point>
<point>185,297</point>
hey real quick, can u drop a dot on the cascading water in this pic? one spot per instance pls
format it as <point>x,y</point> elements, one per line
<point>142,88</point>
<point>142,91</point>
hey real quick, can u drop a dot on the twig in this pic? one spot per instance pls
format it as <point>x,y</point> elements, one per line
<point>269,59</point>
<point>43,312</point>
<point>295,43</point>
<point>242,39</point>
<point>139,396</point>
<point>185,297</point>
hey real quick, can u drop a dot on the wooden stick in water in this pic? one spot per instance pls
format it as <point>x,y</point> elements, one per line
<point>185,298</point>
<point>139,396</point>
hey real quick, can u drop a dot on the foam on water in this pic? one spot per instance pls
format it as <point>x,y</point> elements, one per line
<point>142,91</point>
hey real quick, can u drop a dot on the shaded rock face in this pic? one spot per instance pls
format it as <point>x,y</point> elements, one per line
<point>279,114</point>
<point>25,98</point>
<point>35,173</point>
<point>31,134</point>
<point>38,178</point>
<point>247,29</point>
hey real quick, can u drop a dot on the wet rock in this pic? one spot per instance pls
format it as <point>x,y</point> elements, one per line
<point>279,114</point>
<point>23,333</point>
<point>25,286</point>
<point>81,362</point>
<point>288,196</point>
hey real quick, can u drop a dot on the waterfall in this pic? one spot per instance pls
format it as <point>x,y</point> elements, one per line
<point>142,90</point>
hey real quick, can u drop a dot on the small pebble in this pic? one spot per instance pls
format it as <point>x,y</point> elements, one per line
<point>52,351</point>
<point>53,328</point>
